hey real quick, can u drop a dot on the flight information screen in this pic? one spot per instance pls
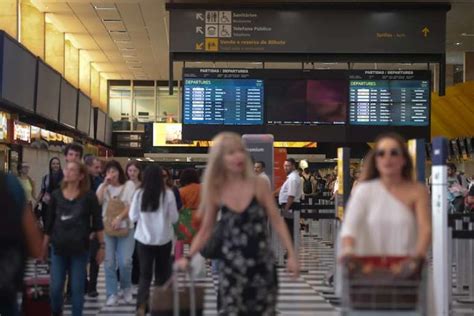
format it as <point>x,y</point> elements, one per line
<point>223,101</point>
<point>389,102</point>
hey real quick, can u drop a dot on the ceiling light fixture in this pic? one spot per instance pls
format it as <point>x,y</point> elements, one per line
<point>468,34</point>
<point>104,6</point>
<point>123,41</point>
<point>458,43</point>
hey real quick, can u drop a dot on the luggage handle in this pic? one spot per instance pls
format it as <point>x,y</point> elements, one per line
<point>37,291</point>
<point>192,294</point>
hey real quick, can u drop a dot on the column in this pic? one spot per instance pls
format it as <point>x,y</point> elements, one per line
<point>468,66</point>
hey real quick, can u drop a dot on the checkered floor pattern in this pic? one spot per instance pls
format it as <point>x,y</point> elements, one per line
<point>307,295</point>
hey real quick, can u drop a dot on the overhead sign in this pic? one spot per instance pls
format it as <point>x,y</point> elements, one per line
<point>334,31</point>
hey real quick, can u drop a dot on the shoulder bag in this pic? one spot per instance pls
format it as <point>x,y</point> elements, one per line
<point>115,207</point>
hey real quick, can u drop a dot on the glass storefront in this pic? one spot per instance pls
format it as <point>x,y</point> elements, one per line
<point>134,103</point>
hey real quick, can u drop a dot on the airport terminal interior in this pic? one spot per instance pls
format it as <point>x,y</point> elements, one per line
<point>308,86</point>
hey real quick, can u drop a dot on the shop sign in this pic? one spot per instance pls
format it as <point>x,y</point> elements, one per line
<point>22,132</point>
<point>3,126</point>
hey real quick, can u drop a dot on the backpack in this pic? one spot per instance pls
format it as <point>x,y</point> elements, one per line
<point>307,185</point>
<point>12,241</point>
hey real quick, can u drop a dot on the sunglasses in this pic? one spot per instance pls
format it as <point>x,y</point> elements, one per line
<point>392,152</point>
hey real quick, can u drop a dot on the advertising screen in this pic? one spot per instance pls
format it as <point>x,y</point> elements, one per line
<point>306,102</point>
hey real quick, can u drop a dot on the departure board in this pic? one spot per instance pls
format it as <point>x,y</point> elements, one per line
<point>223,101</point>
<point>389,102</point>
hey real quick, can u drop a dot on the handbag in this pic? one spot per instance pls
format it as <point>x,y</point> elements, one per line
<point>114,208</point>
<point>213,247</point>
<point>184,228</point>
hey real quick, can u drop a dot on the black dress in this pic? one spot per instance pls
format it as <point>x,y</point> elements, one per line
<point>248,283</point>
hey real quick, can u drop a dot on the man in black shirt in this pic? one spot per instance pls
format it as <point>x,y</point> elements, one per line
<point>93,167</point>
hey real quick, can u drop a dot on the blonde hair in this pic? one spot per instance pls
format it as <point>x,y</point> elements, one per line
<point>216,175</point>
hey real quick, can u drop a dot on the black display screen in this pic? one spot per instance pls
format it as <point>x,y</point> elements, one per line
<point>68,104</point>
<point>83,113</point>
<point>17,72</point>
<point>100,132</point>
<point>307,102</point>
<point>223,101</point>
<point>47,95</point>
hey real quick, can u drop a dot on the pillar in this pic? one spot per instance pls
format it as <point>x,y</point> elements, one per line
<point>468,66</point>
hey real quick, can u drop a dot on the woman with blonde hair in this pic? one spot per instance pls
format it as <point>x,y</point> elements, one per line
<point>248,283</point>
<point>388,213</point>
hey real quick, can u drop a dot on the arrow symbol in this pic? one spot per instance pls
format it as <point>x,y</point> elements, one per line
<point>199,46</point>
<point>425,31</point>
<point>199,30</point>
<point>199,16</point>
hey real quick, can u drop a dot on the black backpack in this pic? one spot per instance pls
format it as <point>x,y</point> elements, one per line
<point>12,241</point>
<point>307,185</point>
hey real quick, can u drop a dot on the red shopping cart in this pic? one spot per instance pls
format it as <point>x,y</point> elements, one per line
<point>383,286</point>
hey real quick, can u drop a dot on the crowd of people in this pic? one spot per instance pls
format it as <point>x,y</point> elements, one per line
<point>92,213</point>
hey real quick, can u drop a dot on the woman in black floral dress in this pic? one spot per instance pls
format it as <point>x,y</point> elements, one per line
<point>247,282</point>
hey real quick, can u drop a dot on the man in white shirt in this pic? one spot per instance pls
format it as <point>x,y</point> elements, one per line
<point>291,191</point>
<point>259,168</point>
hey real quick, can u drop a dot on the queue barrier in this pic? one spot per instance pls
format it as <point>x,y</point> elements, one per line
<point>462,239</point>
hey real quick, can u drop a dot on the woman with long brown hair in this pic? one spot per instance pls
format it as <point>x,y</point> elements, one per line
<point>73,214</point>
<point>388,213</point>
<point>247,281</point>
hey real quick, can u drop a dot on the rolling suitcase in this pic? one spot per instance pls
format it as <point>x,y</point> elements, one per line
<point>36,300</point>
<point>171,300</point>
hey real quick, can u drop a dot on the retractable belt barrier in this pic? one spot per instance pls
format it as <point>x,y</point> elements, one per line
<point>322,211</point>
<point>462,236</point>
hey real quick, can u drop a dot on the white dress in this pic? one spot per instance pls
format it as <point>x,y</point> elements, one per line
<point>379,222</point>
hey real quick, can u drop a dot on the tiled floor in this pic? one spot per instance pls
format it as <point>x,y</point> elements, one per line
<point>307,295</point>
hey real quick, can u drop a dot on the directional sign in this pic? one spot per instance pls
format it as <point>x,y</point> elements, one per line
<point>425,31</point>
<point>310,31</point>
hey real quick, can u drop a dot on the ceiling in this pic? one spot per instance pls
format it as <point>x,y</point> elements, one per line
<point>128,39</point>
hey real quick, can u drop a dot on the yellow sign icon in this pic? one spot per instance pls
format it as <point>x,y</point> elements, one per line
<point>425,31</point>
<point>199,46</point>
<point>212,45</point>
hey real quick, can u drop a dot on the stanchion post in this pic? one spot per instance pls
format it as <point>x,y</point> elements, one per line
<point>441,276</point>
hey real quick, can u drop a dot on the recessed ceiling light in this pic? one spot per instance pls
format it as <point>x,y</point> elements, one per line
<point>122,42</point>
<point>104,6</point>
<point>468,34</point>
<point>458,43</point>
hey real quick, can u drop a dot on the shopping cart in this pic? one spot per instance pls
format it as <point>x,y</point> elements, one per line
<point>383,286</point>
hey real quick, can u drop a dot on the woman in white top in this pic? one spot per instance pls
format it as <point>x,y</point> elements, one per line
<point>118,249</point>
<point>388,213</point>
<point>154,208</point>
